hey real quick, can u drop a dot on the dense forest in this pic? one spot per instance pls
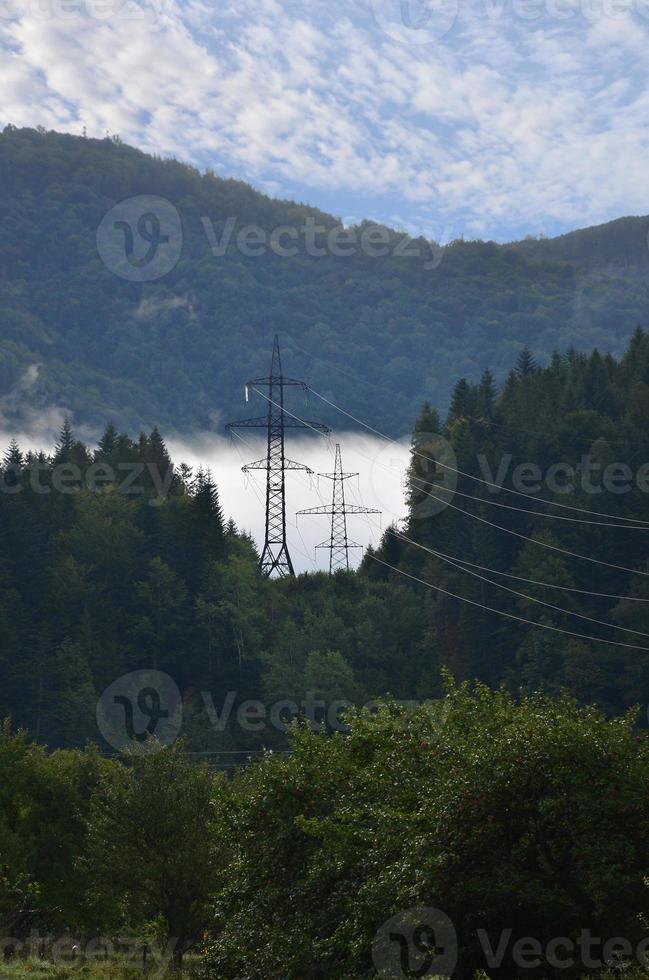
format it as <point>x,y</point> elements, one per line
<point>76,336</point>
<point>486,757</point>
<point>115,560</point>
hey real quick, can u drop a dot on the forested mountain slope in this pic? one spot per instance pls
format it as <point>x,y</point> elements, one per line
<point>100,577</point>
<point>378,333</point>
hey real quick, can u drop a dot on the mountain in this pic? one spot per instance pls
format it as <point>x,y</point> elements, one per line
<point>86,326</point>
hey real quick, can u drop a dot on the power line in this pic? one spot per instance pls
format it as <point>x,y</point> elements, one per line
<point>452,469</point>
<point>522,595</point>
<point>500,612</point>
<point>525,537</point>
<point>532,581</point>
<point>520,578</point>
<point>543,544</point>
<point>535,513</point>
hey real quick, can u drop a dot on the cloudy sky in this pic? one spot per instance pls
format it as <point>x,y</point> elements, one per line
<point>491,118</point>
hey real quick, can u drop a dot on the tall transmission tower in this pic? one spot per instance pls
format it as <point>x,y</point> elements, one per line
<point>338,544</point>
<point>275,556</point>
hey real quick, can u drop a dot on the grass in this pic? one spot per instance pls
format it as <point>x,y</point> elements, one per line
<point>116,968</point>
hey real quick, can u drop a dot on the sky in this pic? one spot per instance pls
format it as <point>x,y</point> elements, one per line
<point>482,118</point>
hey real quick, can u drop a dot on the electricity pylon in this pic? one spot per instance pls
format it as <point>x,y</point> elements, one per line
<point>338,544</point>
<point>275,556</point>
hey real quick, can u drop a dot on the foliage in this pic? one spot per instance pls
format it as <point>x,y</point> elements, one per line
<point>529,816</point>
<point>152,842</point>
<point>176,349</point>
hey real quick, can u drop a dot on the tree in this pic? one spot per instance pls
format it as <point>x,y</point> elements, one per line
<point>525,363</point>
<point>529,816</point>
<point>65,445</point>
<point>152,841</point>
<point>462,402</point>
<point>206,507</point>
<point>423,474</point>
<point>486,394</point>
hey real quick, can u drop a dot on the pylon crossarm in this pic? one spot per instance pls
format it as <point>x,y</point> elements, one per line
<point>258,423</point>
<point>276,380</point>
<point>291,423</point>
<point>307,424</point>
<point>349,544</point>
<point>290,464</point>
<point>353,509</point>
<point>260,464</point>
<point>338,476</point>
<point>316,510</point>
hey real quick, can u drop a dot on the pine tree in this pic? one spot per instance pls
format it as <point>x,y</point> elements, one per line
<point>486,394</point>
<point>12,465</point>
<point>108,443</point>
<point>462,401</point>
<point>207,508</point>
<point>525,363</point>
<point>65,446</point>
<point>422,475</point>
<point>13,457</point>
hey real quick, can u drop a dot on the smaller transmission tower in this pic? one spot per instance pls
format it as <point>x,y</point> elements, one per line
<point>338,544</point>
<point>275,557</point>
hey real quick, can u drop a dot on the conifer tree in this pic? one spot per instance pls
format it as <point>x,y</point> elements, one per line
<point>65,445</point>
<point>462,401</point>
<point>486,394</point>
<point>525,363</point>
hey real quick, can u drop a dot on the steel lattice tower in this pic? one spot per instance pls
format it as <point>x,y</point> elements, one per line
<point>338,544</point>
<point>275,556</point>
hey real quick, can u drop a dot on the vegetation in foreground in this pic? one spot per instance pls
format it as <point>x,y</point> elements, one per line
<point>529,816</point>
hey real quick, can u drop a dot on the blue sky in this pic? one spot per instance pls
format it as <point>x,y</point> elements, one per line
<point>487,118</point>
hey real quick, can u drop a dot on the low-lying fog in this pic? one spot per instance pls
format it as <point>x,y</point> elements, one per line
<point>380,484</point>
<point>381,467</point>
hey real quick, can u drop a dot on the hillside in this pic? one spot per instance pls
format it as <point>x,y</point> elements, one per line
<point>174,351</point>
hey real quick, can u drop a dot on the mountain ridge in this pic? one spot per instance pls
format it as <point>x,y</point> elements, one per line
<point>175,351</point>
